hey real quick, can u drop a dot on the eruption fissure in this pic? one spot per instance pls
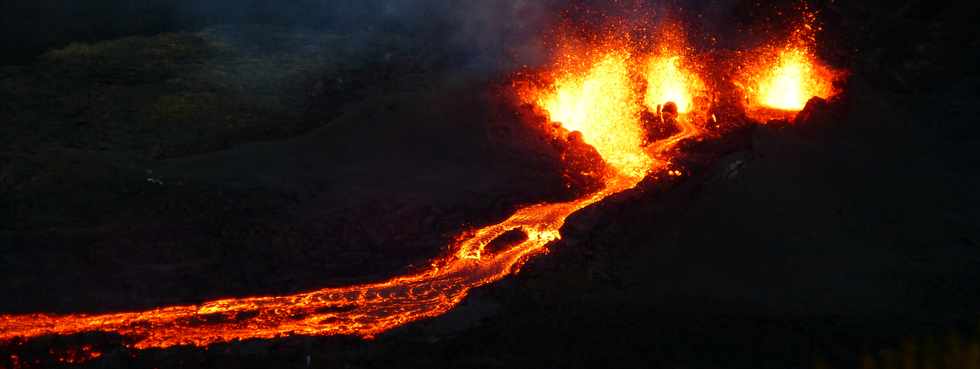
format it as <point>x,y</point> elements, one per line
<point>597,104</point>
<point>596,96</point>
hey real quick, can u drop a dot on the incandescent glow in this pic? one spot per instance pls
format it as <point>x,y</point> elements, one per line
<point>783,77</point>
<point>791,81</point>
<point>600,91</point>
<point>599,98</point>
<point>601,105</point>
<point>669,81</point>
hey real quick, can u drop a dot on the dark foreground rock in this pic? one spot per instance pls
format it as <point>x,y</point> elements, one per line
<point>850,234</point>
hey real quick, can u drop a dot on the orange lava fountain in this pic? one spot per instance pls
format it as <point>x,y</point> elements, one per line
<point>601,105</point>
<point>791,81</point>
<point>599,98</point>
<point>668,81</point>
<point>783,78</point>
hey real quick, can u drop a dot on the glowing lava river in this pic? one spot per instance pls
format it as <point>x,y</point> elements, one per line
<point>597,95</point>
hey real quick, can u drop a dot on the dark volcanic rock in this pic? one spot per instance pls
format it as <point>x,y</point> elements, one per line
<point>379,191</point>
<point>832,237</point>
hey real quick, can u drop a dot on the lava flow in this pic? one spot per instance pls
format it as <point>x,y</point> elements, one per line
<point>601,93</point>
<point>601,103</point>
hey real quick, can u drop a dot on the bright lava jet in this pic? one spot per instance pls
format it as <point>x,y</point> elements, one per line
<point>779,79</point>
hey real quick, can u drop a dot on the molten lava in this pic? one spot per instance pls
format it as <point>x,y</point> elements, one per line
<point>602,103</point>
<point>782,78</point>
<point>669,81</point>
<point>77,355</point>
<point>791,81</point>
<point>601,93</point>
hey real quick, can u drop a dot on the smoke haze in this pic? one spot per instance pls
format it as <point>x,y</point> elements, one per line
<point>480,30</point>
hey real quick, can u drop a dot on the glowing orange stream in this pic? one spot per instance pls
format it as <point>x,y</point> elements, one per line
<point>599,102</point>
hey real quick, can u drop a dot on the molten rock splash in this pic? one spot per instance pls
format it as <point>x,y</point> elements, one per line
<point>782,78</point>
<point>600,105</point>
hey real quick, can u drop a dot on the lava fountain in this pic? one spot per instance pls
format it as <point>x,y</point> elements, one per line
<point>599,97</point>
<point>601,105</point>
<point>791,81</point>
<point>669,81</point>
<point>781,78</point>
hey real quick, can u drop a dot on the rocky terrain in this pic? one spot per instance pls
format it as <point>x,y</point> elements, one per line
<point>151,176</point>
<point>241,160</point>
